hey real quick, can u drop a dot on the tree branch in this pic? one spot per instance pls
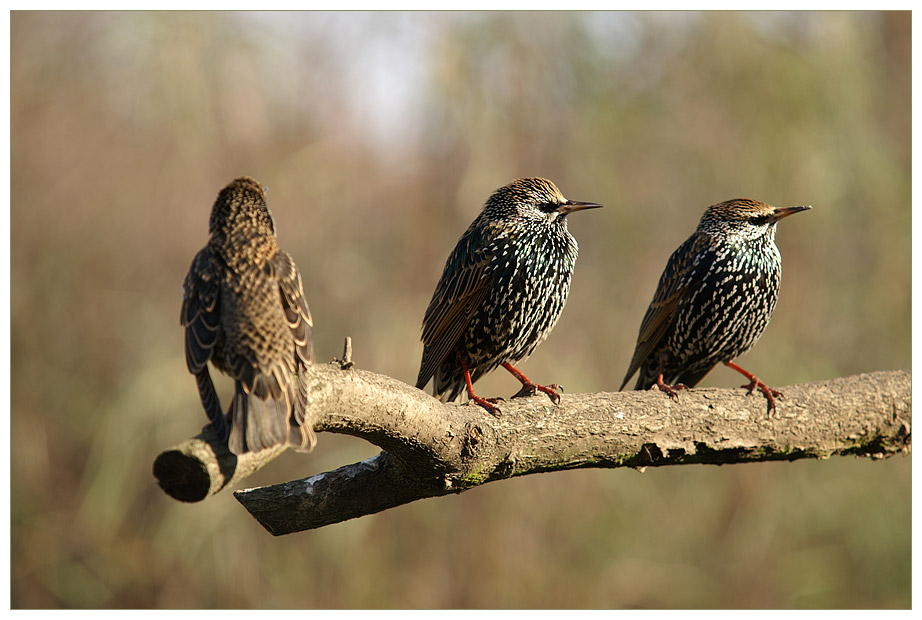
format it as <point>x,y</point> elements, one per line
<point>433,449</point>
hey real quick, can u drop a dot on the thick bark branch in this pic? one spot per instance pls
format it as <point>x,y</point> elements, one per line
<point>434,449</point>
<point>203,465</point>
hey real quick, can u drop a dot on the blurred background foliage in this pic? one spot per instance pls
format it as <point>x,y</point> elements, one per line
<point>379,136</point>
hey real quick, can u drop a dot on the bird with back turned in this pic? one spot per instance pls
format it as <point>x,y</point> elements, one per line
<point>714,299</point>
<point>244,310</point>
<point>501,292</point>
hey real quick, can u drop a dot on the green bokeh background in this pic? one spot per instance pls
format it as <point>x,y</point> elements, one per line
<point>379,136</point>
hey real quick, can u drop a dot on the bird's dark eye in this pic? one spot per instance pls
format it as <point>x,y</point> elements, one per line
<point>759,220</point>
<point>549,207</point>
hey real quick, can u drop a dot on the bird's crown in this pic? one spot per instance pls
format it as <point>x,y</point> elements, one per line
<point>532,192</point>
<point>242,201</point>
<point>738,210</point>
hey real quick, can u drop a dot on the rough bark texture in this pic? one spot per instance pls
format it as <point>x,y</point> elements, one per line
<point>202,466</point>
<point>434,449</point>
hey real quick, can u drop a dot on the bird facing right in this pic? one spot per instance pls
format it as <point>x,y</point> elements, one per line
<point>714,299</point>
<point>502,290</point>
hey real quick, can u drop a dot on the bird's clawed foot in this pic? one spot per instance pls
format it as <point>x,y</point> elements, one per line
<point>770,394</point>
<point>672,390</point>
<point>487,403</point>
<point>755,382</point>
<point>529,389</point>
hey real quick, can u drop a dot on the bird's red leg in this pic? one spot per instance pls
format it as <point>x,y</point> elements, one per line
<point>755,382</point>
<point>669,389</point>
<point>483,402</point>
<point>529,387</point>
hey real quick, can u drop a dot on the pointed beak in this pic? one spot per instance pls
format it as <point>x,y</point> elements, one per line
<point>782,212</point>
<point>574,205</point>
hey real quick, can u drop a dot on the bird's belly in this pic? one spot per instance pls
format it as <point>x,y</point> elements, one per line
<point>726,325</point>
<point>514,321</point>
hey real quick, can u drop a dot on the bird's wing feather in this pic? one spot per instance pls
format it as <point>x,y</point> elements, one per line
<point>295,306</point>
<point>661,314</point>
<point>460,291</point>
<point>200,313</point>
<point>297,313</point>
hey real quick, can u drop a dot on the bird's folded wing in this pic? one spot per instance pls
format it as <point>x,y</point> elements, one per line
<point>200,313</point>
<point>682,274</point>
<point>459,293</point>
<point>295,306</point>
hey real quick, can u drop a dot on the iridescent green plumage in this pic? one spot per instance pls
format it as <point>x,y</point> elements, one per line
<point>714,299</point>
<point>502,290</point>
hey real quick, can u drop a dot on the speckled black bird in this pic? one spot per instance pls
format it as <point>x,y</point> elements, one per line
<point>714,299</point>
<point>244,310</point>
<point>502,290</point>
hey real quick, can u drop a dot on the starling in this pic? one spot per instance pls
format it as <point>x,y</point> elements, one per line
<point>244,309</point>
<point>714,299</point>
<point>501,292</point>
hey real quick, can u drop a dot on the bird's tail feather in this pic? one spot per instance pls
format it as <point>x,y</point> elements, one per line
<point>447,388</point>
<point>257,423</point>
<point>691,379</point>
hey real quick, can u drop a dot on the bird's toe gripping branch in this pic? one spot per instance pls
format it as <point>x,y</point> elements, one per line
<point>529,387</point>
<point>671,390</point>
<point>486,403</point>
<point>755,382</point>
